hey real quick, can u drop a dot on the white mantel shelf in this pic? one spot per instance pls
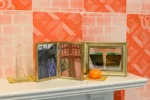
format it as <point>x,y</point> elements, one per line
<point>62,87</point>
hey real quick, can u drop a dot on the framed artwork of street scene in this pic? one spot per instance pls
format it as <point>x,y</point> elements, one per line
<point>46,61</point>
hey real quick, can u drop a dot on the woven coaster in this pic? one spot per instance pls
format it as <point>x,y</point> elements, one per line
<point>102,78</point>
<point>28,79</point>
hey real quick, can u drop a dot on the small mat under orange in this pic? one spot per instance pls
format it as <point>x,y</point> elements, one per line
<point>102,78</point>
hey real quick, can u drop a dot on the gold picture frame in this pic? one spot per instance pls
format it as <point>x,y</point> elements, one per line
<point>69,53</point>
<point>110,58</point>
<point>46,66</point>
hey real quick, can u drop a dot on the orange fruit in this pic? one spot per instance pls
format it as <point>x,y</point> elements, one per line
<point>95,74</point>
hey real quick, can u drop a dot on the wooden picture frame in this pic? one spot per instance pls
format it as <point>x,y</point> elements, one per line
<point>110,58</point>
<point>46,61</point>
<point>71,54</point>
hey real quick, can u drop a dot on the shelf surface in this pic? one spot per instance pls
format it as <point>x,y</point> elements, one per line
<point>64,87</point>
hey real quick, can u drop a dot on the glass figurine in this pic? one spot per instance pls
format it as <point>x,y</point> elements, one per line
<point>20,71</point>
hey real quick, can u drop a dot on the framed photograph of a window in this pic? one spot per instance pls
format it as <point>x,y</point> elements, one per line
<point>46,61</point>
<point>71,60</point>
<point>110,58</point>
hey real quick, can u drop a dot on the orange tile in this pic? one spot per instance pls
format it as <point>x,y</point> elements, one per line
<point>11,49</point>
<point>27,40</point>
<point>103,38</point>
<point>3,4</point>
<point>133,6</point>
<point>5,19</point>
<point>28,30</point>
<point>89,20</point>
<point>1,51</point>
<point>24,40</point>
<point>69,10</point>
<point>138,7</point>
<point>41,3</point>
<point>116,6</point>
<point>28,49</point>
<point>5,40</point>
<point>104,20</point>
<point>22,5</point>
<point>9,72</point>
<point>60,3</point>
<point>110,14</point>
<point>119,20</point>
<point>50,10</point>
<point>12,30</point>
<point>23,19</point>
<point>37,9</point>
<point>27,12</point>
<point>92,6</point>
<point>146,6</point>
<point>6,61</point>
<point>80,10</point>
<point>85,30</point>
<point>89,38</point>
<point>8,12</point>
<point>95,14</point>
<point>1,72</point>
<point>96,30</point>
<point>16,40</point>
<point>0,30</point>
<point>147,49</point>
<point>15,5</point>
<point>110,29</point>
<point>138,38</point>
<point>105,6</point>
<point>27,61</point>
<point>48,26</point>
<point>140,12</point>
<point>120,34</point>
<point>76,3</point>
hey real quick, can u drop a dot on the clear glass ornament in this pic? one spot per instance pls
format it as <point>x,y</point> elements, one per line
<point>20,71</point>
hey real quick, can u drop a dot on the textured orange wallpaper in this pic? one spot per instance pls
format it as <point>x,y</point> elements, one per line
<point>27,22</point>
<point>57,26</point>
<point>105,5</point>
<point>15,4</point>
<point>138,38</point>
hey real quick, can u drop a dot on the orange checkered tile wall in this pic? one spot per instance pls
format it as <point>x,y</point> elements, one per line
<point>27,22</point>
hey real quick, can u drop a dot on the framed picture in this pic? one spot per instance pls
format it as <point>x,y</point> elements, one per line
<point>110,58</point>
<point>71,60</point>
<point>46,61</point>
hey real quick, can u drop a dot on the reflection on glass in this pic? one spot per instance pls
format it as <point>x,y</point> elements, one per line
<point>105,58</point>
<point>65,67</point>
<point>71,60</point>
<point>47,60</point>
